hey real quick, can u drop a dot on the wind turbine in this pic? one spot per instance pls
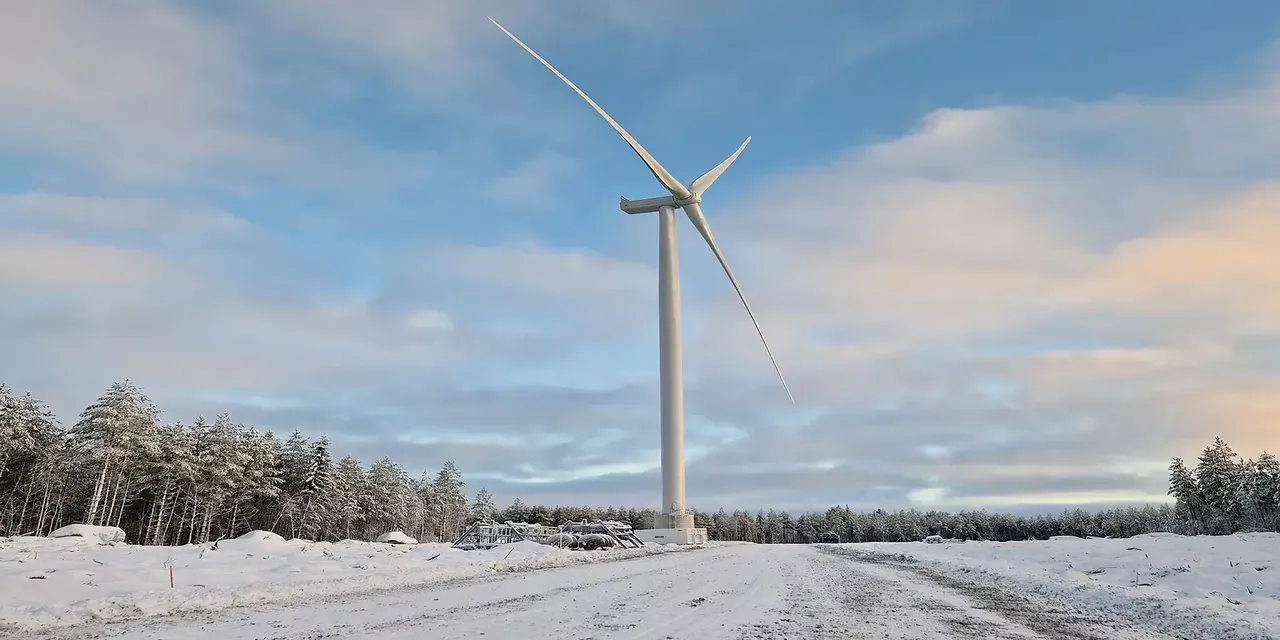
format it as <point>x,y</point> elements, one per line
<point>674,524</point>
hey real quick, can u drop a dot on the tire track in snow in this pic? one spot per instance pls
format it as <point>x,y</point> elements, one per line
<point>706,593</point>
<point>895,600</point>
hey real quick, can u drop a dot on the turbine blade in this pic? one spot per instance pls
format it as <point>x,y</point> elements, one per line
<point>694,211</point>
<point>704,181</point>
<point>669,181</point>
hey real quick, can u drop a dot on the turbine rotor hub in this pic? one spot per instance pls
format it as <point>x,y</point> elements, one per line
<point>694,198</point>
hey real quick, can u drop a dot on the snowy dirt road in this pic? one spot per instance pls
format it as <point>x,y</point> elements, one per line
<point>737,592</point>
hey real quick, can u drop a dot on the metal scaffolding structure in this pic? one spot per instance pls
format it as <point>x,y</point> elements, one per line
<point>598,534</point>
<point>587,535</point>
<point>486,534</point>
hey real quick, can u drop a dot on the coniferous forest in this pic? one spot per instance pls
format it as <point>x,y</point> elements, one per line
<point>169,484</point>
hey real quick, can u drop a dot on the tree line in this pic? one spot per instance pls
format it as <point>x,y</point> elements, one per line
<point>169,484</point>
<point>1225,493</point>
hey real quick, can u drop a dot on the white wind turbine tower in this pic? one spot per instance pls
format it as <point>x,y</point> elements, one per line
<point>674,524</point>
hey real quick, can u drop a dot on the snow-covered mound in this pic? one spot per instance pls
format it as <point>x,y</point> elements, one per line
<point>264,536</point>
<point>396,537</point>
<point>91,531</point>
<point>62,581</point>
<point>1212,580</point>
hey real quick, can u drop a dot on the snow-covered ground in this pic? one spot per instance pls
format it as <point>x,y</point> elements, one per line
<point>62,581</point>
<point>721,593</point>
<point>1189,586</point>
<point>1155,586</point>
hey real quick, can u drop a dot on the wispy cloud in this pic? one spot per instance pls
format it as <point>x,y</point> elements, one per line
<point>533,183</point>
<point>142,219</point>
<point>136,87</point>
<point>764,55</point>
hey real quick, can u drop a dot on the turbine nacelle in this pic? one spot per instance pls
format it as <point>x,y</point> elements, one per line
<point>651,205</point>
<point>647,205</point>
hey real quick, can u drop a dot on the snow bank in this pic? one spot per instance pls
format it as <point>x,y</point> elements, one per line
<point>64,581</point>
<point>90,531</point>
<point>263,536</point>
<point>396,537</point>
<point>1209,585</point>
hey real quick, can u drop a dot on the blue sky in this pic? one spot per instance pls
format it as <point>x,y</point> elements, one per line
<point>1010,254</point>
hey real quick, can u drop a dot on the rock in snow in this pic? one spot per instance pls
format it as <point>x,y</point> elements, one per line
<point>105,534</point>
<point>396,537</point>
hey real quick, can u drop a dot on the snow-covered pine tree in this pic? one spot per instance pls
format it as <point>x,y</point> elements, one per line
<point>1264,492</point>
<point>30,445</point>
<point>260,498</point>
<point>294,461</point>
<point>1182,486</point>
<point>516,512</point>
<point>1248,516</point>
<point>719,525</point>
<point>351,488</point>
<point>425,491</point>
<point>10,431</point>
<point>111,432</point>
<point>223,463</point>
<point>1218,475</point>
<point>390,494</point>
<point>320,468</point>
<point>449,500</point>
<point>25,426</point>
<point>483,507</point>
<point>170,475</point>
<point>315,489</point>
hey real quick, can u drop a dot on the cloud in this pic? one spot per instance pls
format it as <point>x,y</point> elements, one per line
<point>974,290</point>
<point>139,93</point>
<point>546,274</point>
<point>986,217</point>
<point>1026,303</point>
<point>154,218</point>
<point>434,58</point>
<point>527,291</point>
<point>532,184</point>
<point>136,86</point>
<point>50,263</point>
<point>1221,264</point>
<point>802,55</point>
<point>953,330</point>
<point>156,92</point>
<point>169,314</point>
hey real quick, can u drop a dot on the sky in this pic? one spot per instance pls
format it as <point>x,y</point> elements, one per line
<point>1009,255</point>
